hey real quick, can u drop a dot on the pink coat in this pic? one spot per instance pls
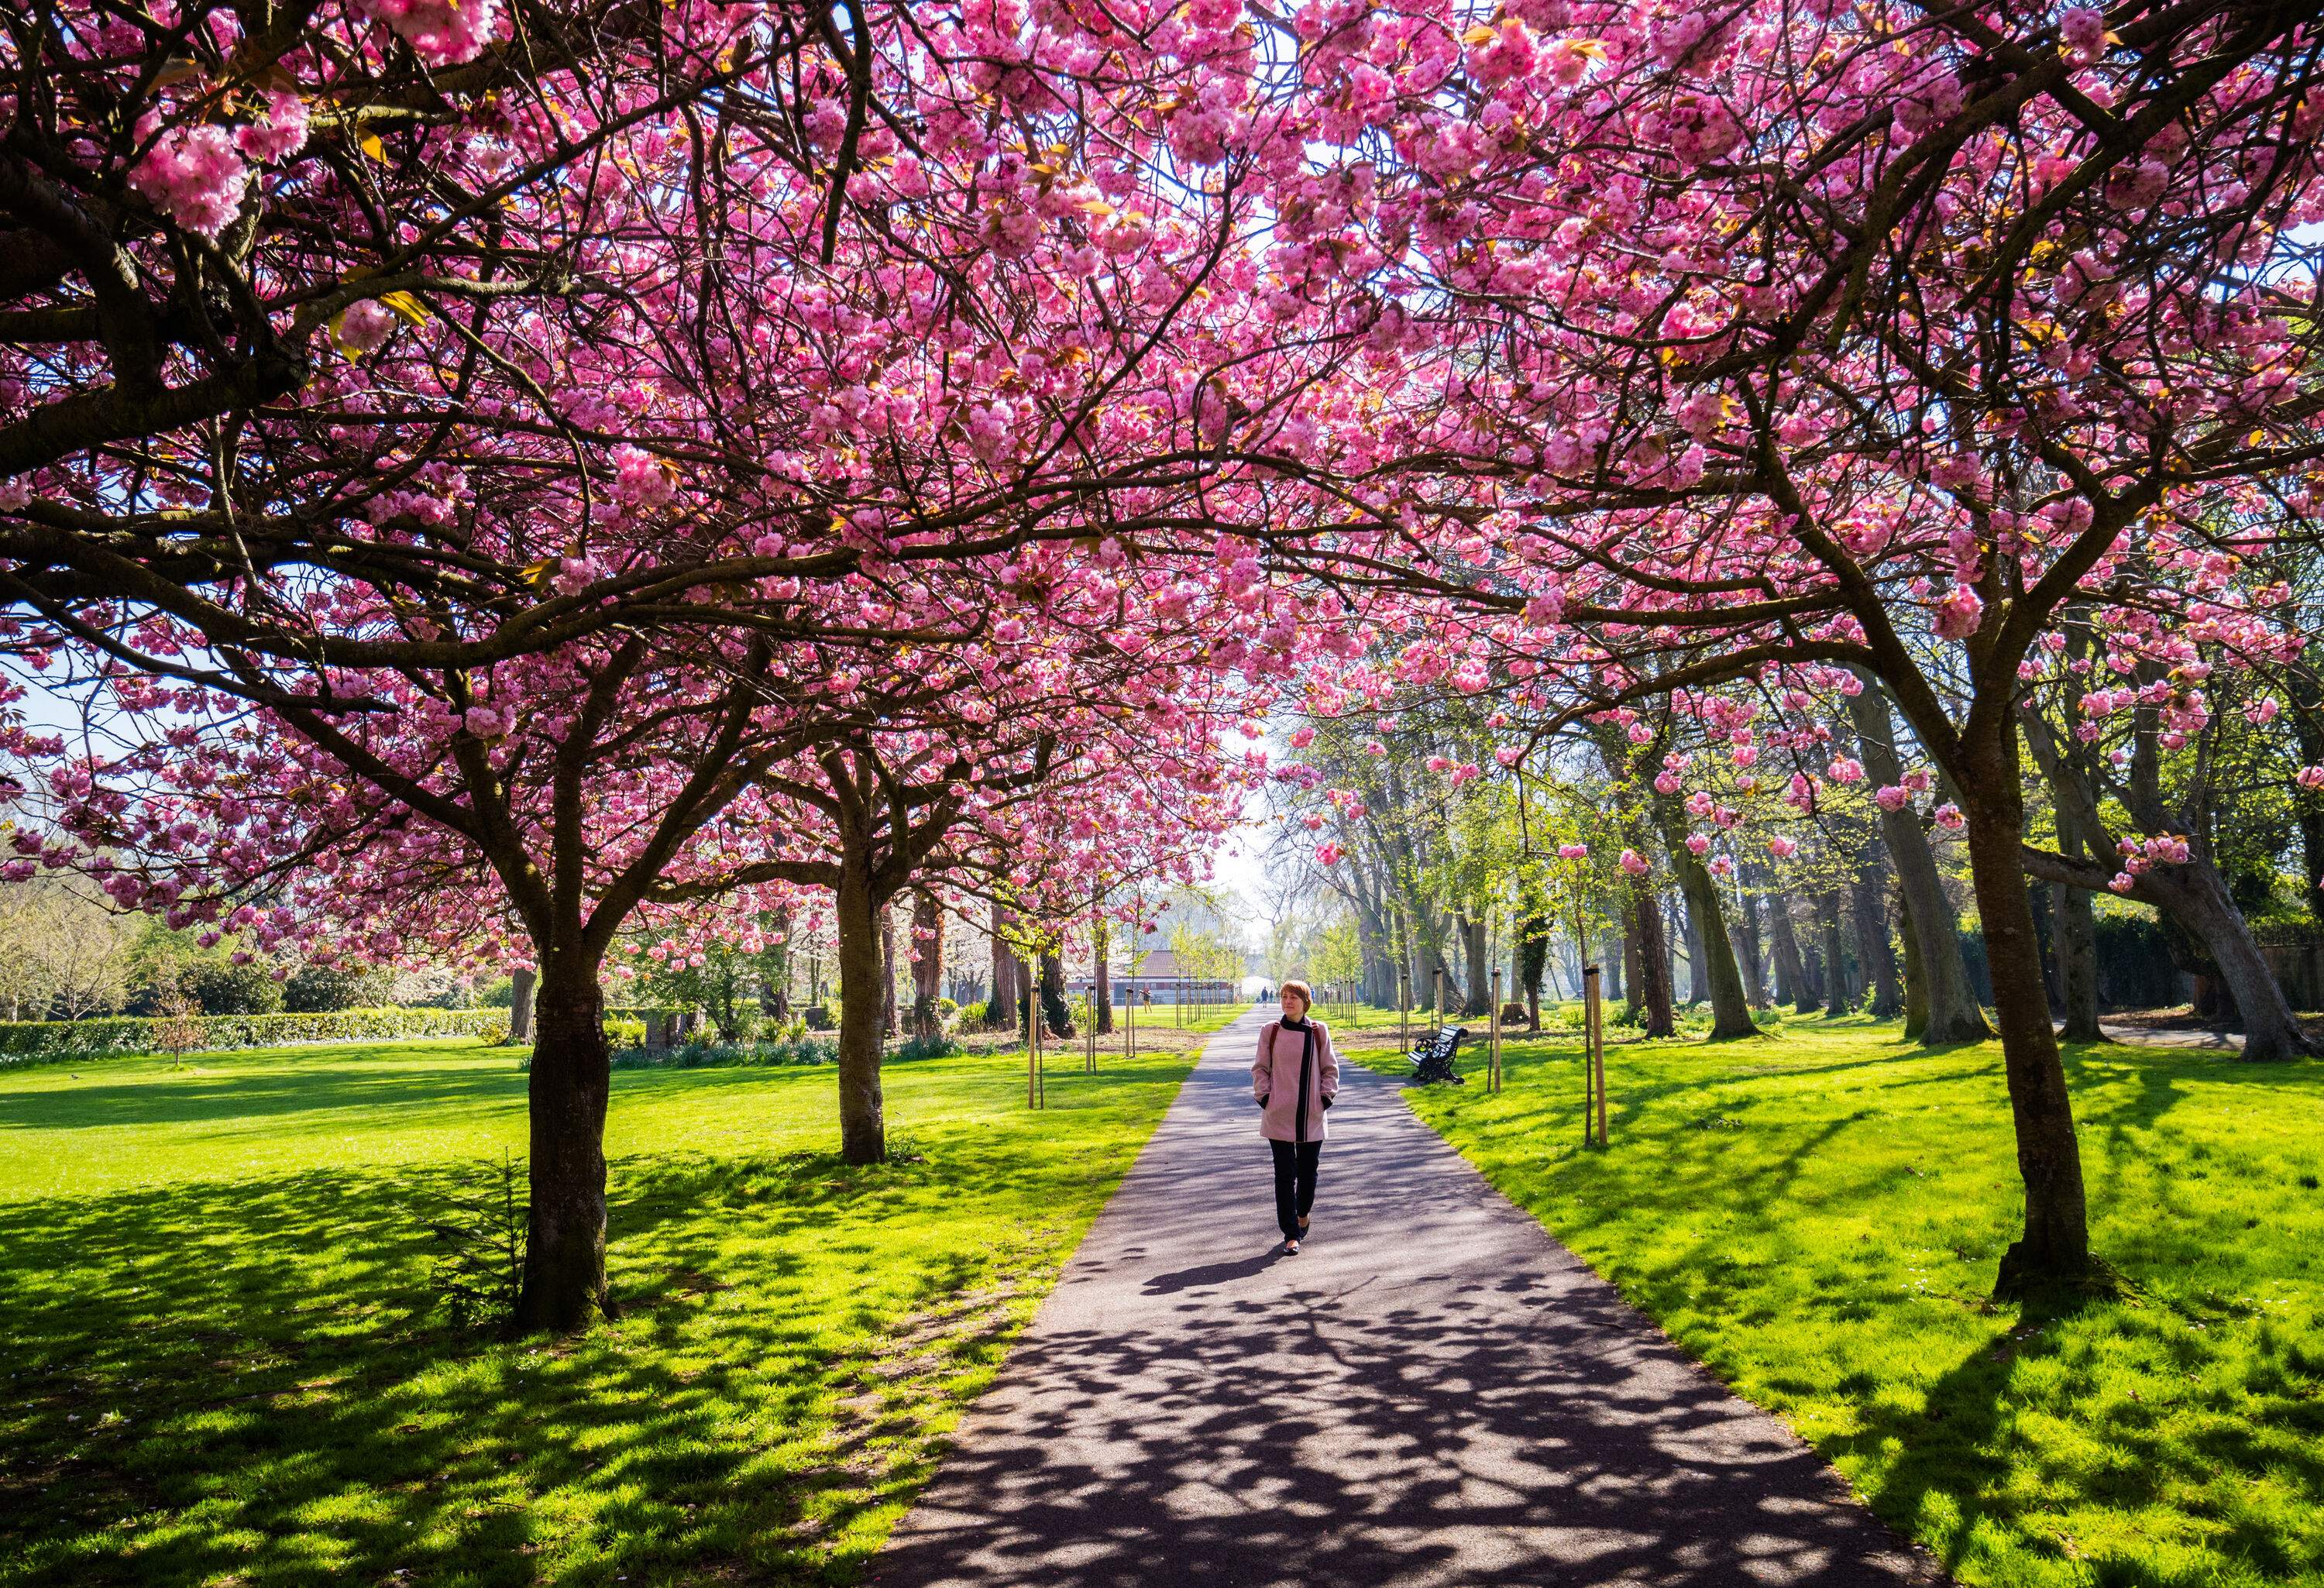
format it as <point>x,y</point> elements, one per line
<point>1275,1076</point>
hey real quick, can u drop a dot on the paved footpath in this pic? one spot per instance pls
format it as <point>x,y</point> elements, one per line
<point>1433,1391</point>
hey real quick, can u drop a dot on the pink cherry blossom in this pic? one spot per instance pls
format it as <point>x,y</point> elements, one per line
<point>195,175</point>
<point>280,134</point>
<point>2082,33</point>
<point>441,32</point>
<point>1959,613</point>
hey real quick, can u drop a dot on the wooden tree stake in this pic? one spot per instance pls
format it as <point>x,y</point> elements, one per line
<point>1594,1072</point>
<point>1493,1049</point>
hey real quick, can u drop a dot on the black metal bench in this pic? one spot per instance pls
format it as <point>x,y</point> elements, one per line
<point>1432,1059</point>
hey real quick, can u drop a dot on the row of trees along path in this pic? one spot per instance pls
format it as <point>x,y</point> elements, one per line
<point>484,479</point>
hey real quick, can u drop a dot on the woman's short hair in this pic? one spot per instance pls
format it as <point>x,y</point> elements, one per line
<point>1306,998</point>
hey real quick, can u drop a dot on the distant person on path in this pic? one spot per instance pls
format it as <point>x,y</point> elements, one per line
<point>1294,1078</point>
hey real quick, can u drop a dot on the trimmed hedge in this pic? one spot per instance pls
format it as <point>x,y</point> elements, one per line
<point>31,1042</point>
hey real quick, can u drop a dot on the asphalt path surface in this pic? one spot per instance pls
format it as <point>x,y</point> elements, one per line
<point>1432,1392</point>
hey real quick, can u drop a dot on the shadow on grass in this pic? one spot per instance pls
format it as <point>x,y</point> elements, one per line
<point>1823,1234</point>
<point>1956,1468</point>
<point>249,1382</point>
<point>484,1078</point>
<point>262,1086</point>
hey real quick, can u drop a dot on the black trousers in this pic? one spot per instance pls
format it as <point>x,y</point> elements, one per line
<point>1294,1183</point>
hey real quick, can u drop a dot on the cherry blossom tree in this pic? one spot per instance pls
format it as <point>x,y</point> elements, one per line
<point>201,201</point>
<point>2127,825</point>
<point>765,384</point>
<point>1869,337</point>
<point>1082,768</point>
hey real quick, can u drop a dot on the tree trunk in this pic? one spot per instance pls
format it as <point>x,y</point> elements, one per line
<point>1672,923</point>
<point>2055,1245</point>
<point>1749,948</point>
<point>1479,963</point>
<point>928,965</point>
<point>1056,1013</point>
<point>1713,968</point>
<point>2039,897</point>
<point>1375,940</point>
<point>887,973</point>
<point>1790,975</point>
<point>1613,959</point>
<point>1379,970</point>
<point>2197,898</point>
<point>564,1278</point>
<point>1633,962</point>
<point>1101,979</point>
<point>1954,1012</point>
<point>1532,959</point>
<point>1836,1000</point>
<point>1868,903</point>
<point>2193,898</point>
<point>2074,935</point>
<point>1415,968</point>
<point>1654,976</point>
<point>522,982</point>
<point>862,1125</point>
<point>1698,981</point>
<point>1917,980</point>
<point>1001,1006</point>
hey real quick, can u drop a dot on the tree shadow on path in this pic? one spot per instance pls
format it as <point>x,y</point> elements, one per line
<point>1432,1392</point>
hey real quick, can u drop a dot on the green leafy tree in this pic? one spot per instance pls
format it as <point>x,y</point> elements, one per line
<point>226,988</point>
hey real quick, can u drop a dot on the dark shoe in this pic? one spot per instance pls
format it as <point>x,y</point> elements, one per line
<point>1291,1247</point>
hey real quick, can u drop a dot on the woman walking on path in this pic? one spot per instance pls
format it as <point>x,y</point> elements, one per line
<point>1295,1079</point>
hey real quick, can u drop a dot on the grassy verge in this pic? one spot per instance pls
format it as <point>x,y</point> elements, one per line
<point>1817,1215</point>
<point>1360,1025</point>
<point>228,1366</point>
<point>1192,1019</point>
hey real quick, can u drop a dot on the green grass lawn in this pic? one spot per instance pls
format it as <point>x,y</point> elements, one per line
<point>1817,1214</point>
<point>1360,1025</point>
<point>1363,1024</point>
<point>225,1363</point>
<point>1192,1017</point>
